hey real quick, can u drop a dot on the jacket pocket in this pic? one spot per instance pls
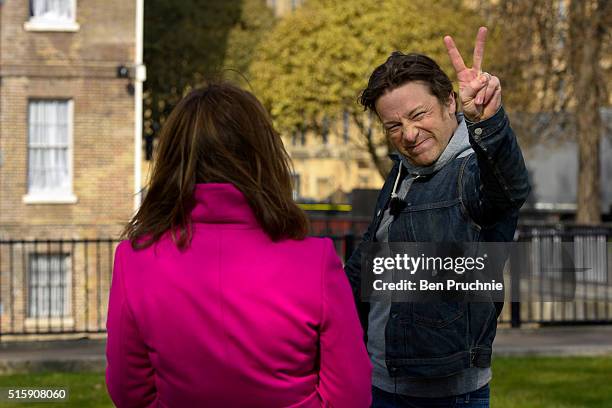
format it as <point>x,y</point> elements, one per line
<point>439,222</point>
<point>435,330</point>
<point>437,315</point>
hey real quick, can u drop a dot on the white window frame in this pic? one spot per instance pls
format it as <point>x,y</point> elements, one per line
<point>41,23</point>
<point>66,268</point>
<point>54,197</point>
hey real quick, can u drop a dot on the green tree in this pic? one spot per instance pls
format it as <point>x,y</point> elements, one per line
<point>186,42</point>
<point>314,64</point>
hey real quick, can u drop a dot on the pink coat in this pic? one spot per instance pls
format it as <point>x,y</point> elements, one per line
<point>236,320</point>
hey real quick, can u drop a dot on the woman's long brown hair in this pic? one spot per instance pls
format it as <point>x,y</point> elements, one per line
<point>217,134</point>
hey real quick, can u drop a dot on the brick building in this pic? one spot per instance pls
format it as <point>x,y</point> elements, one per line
<point>330,165</point>
<point>70,154</point>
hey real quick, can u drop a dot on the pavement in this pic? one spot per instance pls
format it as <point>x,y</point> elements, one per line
<point>88,355</point>
<point>68,355</point>
<point>561,341</point>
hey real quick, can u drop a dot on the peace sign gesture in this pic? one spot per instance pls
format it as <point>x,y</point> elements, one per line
<point>480,92</point>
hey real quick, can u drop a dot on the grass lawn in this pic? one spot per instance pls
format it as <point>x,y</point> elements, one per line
<point>545,382</point>
<point>538,382</point>
<point>85,390</point>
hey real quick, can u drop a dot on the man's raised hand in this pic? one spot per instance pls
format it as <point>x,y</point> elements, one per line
<point>480,92</point>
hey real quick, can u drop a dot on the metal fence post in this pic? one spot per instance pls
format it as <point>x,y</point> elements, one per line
<point>515,314</point>
<point>349,245</point>
<point>516,264</point>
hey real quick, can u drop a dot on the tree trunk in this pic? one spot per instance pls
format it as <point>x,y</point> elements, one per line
<point>585,38</point>
<point>383,164</point>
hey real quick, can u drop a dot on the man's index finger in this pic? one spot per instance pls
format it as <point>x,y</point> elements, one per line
<point>454,55</point>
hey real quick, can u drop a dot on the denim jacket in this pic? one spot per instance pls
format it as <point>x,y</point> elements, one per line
<point>473,198</point>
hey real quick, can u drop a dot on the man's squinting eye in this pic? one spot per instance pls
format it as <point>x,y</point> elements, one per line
<point>419,115</point>
<point>393,128</point>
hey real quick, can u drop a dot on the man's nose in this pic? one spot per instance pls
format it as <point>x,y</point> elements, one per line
<point>410,134</point>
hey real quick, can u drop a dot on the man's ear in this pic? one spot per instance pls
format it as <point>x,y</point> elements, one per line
<point>452,104</point>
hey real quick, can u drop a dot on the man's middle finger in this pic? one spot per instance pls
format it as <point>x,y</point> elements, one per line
<point>479,47</point>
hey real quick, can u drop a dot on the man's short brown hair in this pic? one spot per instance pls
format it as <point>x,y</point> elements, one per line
<point>400,69</point>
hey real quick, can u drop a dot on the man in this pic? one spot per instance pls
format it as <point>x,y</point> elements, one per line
<point>456,178</point>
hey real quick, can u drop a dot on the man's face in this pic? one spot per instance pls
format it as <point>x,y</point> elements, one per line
<point>417,124</point>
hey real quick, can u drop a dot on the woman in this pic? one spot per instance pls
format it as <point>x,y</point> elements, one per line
<point>217,298</point>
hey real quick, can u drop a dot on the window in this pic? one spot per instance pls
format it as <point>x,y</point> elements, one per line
<point>369,124</point>
<point>295,183</point>
<point>50,151</point>
<point>325,130</point>
<point>52,15</point>
<point>298,137</point>
<point>273,4</point>
<point>294,138</point>
<point>49,285</point>
<point>345,126</point>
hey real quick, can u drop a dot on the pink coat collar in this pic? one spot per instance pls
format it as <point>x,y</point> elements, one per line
<point>221,203</point>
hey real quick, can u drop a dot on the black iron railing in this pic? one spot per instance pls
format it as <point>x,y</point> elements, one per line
<point>54,286</point>
<point>61,286</point>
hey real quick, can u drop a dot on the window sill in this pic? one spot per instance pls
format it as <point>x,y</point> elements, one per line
<point>49,199</point>
<point>51,26</point>
<point>33,323</point>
